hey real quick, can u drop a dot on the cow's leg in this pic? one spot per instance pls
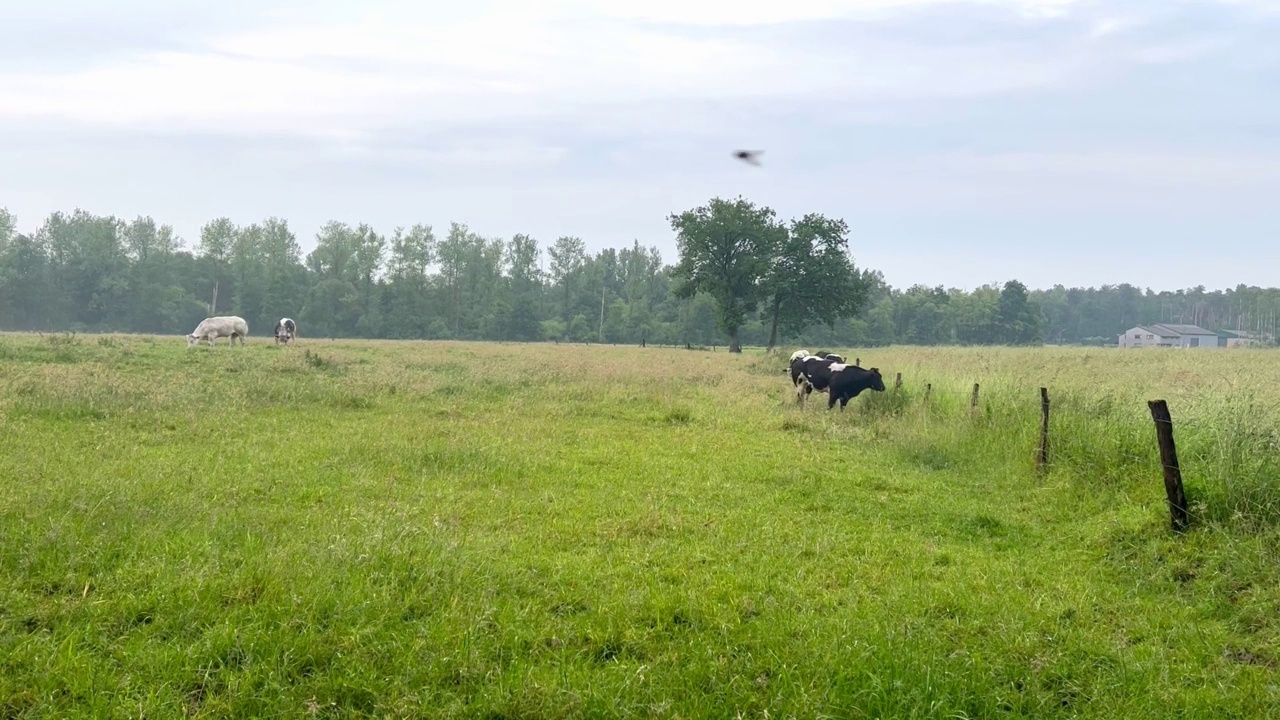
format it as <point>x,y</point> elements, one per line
<point>831,400</point>
<point>844,400</point>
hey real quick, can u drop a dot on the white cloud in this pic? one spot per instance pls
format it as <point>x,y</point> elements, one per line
<point>764,12</point>
<point>1013,184</point>
<point>1179,51</point>
<point>396,63</point>
<point>1108,26</point>
<point>1210,169</point>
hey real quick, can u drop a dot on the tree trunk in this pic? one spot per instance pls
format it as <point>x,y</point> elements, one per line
<point>773,333</point>
<point>734,347</point>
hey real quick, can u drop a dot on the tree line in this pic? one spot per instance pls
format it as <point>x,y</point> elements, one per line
<point>742,277</point>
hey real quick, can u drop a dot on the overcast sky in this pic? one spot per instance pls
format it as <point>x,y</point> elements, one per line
<point>964,141</point>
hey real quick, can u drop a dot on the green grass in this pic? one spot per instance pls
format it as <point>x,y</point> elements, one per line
<point>397,529</point>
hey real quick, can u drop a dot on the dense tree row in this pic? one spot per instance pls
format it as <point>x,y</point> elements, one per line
<point>741,274</point>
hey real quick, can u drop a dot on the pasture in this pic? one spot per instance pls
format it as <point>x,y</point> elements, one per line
<point>450,530</point>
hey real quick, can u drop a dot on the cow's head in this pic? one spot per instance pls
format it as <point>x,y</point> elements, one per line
<point>877,382</point>
<point>282,335</point>
<point>192,340</point>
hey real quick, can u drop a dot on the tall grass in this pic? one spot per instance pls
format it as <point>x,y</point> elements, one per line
<point>1224,405</point>
<point>400,529</point>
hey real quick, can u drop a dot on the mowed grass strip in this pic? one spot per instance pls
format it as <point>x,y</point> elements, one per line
<point>383,529</point>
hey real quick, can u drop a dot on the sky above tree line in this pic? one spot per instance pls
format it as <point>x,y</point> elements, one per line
<point>965,141</point>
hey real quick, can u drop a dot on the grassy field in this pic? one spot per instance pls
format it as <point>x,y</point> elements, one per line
<point>399,529</point>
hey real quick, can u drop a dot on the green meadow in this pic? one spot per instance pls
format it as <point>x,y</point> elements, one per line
<point>482,530</point>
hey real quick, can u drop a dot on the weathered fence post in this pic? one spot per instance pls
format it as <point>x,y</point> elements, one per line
<point>897,382</point>
<point>1178,516</point>
<point>1042,458</point>
<point>928,388</point>
<point>857,362</point>
<point>973,401</point>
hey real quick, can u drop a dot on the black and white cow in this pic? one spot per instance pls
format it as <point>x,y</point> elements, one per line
<point>798,378</point>
<point>809,373</point>
<point>847,381</point>
<point>842,382</point>
<point>286,330</point>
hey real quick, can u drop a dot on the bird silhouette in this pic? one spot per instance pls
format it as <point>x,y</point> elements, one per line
<point>749,156</point>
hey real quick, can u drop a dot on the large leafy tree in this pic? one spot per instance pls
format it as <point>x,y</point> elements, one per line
<point>725,251</point>
<point>568,258</point>
<point>812,279</point>
<point>1019,319</point>
<point>525,287</point>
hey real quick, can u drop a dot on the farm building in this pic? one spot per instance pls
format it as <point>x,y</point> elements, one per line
<point>1162,335</point>
<point>1231,338</point>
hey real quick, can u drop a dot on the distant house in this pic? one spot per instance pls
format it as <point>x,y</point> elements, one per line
<point>1165,335</point>
<point>1231,338</point>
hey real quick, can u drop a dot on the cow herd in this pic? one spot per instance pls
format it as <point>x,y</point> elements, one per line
<point>829,373</point>
<point>233,327</point>
<point>824,372</point>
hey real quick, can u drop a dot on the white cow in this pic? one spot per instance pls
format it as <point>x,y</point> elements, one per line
<point>286,330</point>
<point>210,329</point>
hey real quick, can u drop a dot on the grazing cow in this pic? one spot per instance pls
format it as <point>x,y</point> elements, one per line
<point>847,381</point>
<point>286,330</point>
<point>210,329</point>
<point>791,363</point>
<point>810,373</point>
<point>840,381</point>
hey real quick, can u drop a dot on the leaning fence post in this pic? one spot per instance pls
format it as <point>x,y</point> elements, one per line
<point>1178,516</point>
<point>973,401</point>
<point>897,382</point>
<point>1042,458</point>
<point>928,388</point>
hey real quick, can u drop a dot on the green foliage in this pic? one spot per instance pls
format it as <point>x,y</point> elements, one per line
<point>812,280</point>
<point>1017,318</point>
<point>794,283</point>
<point>725,251</point>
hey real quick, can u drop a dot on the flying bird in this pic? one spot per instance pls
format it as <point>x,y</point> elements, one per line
<point>749,156</point>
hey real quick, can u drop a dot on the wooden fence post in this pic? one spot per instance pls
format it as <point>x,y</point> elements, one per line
<point>897,382</point>
<point>1178,516</point>
<point>973,401</point>
<point>1042,458</point>
<point>928,388</point>
<point>857,362</point>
